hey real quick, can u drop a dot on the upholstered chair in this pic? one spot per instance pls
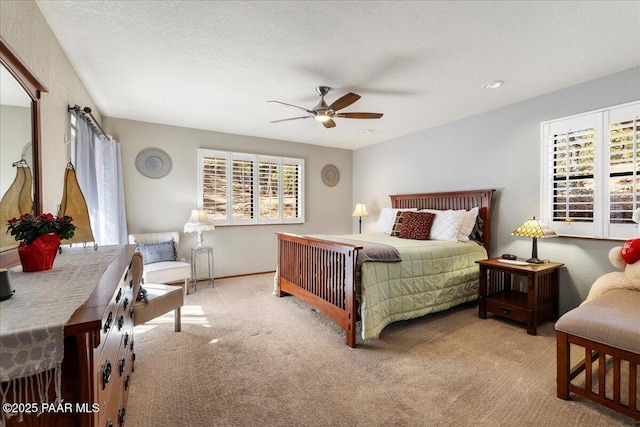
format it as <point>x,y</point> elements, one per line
<point>160,299</point>
<point>161,262</point>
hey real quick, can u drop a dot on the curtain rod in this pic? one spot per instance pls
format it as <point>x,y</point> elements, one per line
<point>87,110</point>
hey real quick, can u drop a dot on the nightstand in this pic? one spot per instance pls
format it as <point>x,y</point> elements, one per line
<point>498,293</point>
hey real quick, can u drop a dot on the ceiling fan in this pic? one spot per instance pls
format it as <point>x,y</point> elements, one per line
<point>326,113</point>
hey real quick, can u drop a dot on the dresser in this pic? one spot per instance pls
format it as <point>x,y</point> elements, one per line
<point>98,341</point>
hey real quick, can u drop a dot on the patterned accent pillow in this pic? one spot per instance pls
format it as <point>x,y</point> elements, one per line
<point>416,225</point>
<point>397,225</point>
<point>157,252</point>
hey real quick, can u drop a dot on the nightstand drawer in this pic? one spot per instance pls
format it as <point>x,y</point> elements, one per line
<point>507,305</point>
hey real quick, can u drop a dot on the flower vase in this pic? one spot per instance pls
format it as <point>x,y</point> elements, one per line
<point>39,254</point>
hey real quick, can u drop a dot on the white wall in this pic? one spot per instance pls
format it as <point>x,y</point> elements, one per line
<point>499,149</point>
<point>26,31</point>
<point>165,204</point>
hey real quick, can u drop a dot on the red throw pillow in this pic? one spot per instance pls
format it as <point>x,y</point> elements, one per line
<point>416,225</point>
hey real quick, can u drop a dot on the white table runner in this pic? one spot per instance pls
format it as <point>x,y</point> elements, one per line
<point>32,321</point>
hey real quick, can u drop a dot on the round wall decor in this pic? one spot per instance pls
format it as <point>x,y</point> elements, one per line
<point>153,163</point>
<point>330,175</point>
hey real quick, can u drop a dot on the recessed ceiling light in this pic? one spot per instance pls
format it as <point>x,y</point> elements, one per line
<point>367,130</point>
<point>494,84</point>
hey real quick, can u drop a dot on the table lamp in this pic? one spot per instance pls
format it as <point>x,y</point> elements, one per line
<point>360,211</point>
<point>199,222</point>
<point>535,229</point>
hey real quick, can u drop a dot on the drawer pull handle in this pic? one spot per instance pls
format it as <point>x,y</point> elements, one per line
<point>131,284</point>
<point>109,423</point>
<point>107,323</point>
<point>125,303</point>
<point>121,413</point>
<point>120,322</point>
<point>505,310</point>
<point>106,374</point>
<point>131,348</point>
<point>119,295</point>
<point>127,380</point>
<point>121,365</point>
<point>126,339</point>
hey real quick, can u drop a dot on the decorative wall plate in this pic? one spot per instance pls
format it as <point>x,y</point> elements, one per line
<point>330,175</point>
<point>153,163</point>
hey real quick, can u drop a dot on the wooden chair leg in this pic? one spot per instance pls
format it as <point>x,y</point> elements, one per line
<point>563,365</point>
<point>178,321</point>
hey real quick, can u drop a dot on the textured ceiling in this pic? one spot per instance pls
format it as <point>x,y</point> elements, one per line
<point>214,65</point>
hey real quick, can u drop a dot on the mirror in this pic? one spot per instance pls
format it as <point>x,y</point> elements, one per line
<point>19,146</point>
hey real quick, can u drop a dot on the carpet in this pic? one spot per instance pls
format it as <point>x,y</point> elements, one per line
<point>247,358</point>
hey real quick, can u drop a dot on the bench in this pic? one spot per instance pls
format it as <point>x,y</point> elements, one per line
<point>605,333</point>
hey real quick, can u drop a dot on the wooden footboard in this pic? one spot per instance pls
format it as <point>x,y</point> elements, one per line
<point>323,274</point>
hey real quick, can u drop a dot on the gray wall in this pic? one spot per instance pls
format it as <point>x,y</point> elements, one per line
<point>165,204</point>
<point>499,149</point>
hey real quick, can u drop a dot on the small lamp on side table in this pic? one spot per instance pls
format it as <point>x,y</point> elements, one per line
<point>360,211</point>
<point>199,222</point>
<point>536,229</point>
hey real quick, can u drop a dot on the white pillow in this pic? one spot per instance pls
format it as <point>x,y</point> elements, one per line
<point>388,218</point>
<point>468,222</point>
<point>446,224</point>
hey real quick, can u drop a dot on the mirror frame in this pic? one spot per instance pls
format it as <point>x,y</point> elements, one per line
<point>34,88</point>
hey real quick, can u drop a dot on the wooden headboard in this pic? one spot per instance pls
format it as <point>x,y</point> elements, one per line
<point>452,200</point>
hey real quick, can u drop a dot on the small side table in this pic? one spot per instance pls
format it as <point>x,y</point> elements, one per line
<point>497,294</point>
<point>198,250</point>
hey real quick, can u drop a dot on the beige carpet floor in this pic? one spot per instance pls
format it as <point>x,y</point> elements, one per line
<point>247,358</point>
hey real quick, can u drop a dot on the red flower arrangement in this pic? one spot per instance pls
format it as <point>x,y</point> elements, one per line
<point>29,227</point>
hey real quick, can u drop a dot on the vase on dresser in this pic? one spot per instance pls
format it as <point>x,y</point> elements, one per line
<point>39,254</point>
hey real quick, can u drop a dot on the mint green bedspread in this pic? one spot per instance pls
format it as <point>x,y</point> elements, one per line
<point>432,276</point>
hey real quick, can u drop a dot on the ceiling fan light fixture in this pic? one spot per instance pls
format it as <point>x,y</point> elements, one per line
<point>322,117</point>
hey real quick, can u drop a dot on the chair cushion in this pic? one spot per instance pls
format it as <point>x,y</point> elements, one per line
<point>162,299</point>
<point>166,272</point>
<point>611,319</point>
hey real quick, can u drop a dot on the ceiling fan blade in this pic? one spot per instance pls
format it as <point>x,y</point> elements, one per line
<point>292,118</point>
<point>294,106</point>
<point>329,124</point>
<point>344,101</point>
<point>358,115</point>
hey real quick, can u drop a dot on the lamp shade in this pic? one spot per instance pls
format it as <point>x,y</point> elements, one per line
<point>534,228</point>
<point>360,210</point>
<point>199,222</point>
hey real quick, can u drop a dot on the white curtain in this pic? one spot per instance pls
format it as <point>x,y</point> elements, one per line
<point>98,164</point>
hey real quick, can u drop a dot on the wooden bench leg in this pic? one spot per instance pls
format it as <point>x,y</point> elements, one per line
<point>563,364</point>
<point>178,321</point>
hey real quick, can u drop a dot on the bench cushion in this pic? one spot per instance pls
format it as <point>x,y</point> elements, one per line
<point>613,319</point>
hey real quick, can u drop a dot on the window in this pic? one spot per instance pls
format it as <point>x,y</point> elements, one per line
<point>238,188</point>
<point>591,172</point>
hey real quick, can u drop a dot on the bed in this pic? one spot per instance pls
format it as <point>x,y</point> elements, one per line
<point>432,276</point>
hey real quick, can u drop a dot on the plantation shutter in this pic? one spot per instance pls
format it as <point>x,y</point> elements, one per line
<point>214,183</point>
<point>591,173</point>
<point>624,168</point>
<point>244,189</point>
<point>242,177</point>
<point>269,189</point>
<point>571,183</point>
<point>292,190</point>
